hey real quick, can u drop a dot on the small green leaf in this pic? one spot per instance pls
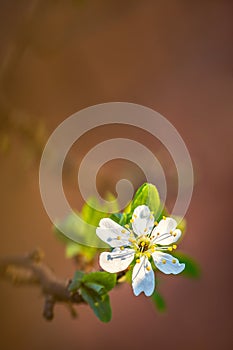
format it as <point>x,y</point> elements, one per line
<point>76,282</point>
<point>105,279</point>
<point>148,195</point>
<point>192,268</point>
<point>99,289</point>
<point>100,304</point>
<point>159,301</point>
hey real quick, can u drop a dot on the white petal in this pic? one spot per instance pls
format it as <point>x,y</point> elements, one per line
<point>143,279</point>
<point>112,233</point>
<point>117,260</point>
<point>165,233</point>
<point>142,220</point>
<point>167,263</point>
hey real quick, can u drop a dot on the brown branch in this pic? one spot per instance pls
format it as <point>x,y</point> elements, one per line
<point>29,269</point>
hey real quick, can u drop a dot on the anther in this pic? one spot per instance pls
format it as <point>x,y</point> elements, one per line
<point>118,238</point>
<point>137,261</point>
<point>174,246</point>
<point>164,261</point>
<point>145,229</point>
<point>158,233</point>
<point>173,261</point>
<point>169,249</point>
<point>156,223</point>
<point>142,244</point>
<point>164,217</point>
<point>148,268</point>
<point>174,234</point>
<point>127,226</point>
<point>131,220</point>
<point>135,216</point>
<point>148,254</point>
<point>123,231</point>
<point>122,248</point>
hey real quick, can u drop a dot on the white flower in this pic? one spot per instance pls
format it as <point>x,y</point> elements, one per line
<point>142,242</point>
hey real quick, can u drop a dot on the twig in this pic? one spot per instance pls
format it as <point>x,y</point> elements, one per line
<point>29,269</point>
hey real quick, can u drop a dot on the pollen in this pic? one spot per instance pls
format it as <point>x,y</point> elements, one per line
<point>169,249</point>
<point>138,261</point>
<point>123,231</point>
<point>174,246</point>
<point>148,268</point>
<point>164,261</point>
<point>122,248</point>
<point>173,261</point>
<point>118,238</point>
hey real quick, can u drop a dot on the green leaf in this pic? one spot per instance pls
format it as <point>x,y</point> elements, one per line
<point>76,282</point>
<point>100,304</point>
<point>192,268</point>
<point>105,279</point>
<point>159,301</point>
<point>148,195</point>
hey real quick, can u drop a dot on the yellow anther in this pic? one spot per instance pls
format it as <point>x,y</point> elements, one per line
<point>132,240</point>
<point>171,232</point>
<point>174,246</point>
<point>138,261</point>
<point>142,244</point>
<point>118,237</point>
<point>173,261</point>
<point>122,248</point>
<point>164,261</point>
<point>135,216</point>
<point>152,249</point>
<point>164,217</point>
<point>127,226</point>
<point>145,229</point>
<point>148,268</point>
<point>131,220</point>
<point>170,249</point>
<point>148,255</point>
<point>174,234</point>
<point>156,223</point>
<point>123,231</point>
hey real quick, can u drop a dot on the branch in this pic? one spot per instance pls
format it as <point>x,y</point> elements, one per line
<point>30,270</point>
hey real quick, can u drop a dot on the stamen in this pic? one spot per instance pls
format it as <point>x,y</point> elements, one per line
<point>171,232</point>
<point>156,223</point>
<point>174,234</point>
<point>169,249</point>
<point>122,248</point>
<point>137,261</point>
<point>158,233</point>
<point>164,261</point>
<point>153,249</point>
<point>118,238</point>
<point>135,216</point>
<point>145,229</point>
<point>148,255</point>
<point>123,231</point>
<point>164,217</point>
<point>143,243</point>
<point>148,268</point>
<point>131,220</point>
<point>131,240</point>
<point>173,261</point>
<point>127,226</point>
<point>174,246</point>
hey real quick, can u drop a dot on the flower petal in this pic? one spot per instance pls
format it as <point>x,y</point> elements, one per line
<point>112,233</point>
<point>142,220</point>
<point>167,263</point>
<point>165,233</point>
<point>143,279</point>
<point>117,260</point>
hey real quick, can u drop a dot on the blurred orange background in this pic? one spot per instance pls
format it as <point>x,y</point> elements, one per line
<point>175,57</point>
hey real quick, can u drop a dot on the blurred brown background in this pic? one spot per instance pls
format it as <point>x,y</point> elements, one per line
<point>58,57</point>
